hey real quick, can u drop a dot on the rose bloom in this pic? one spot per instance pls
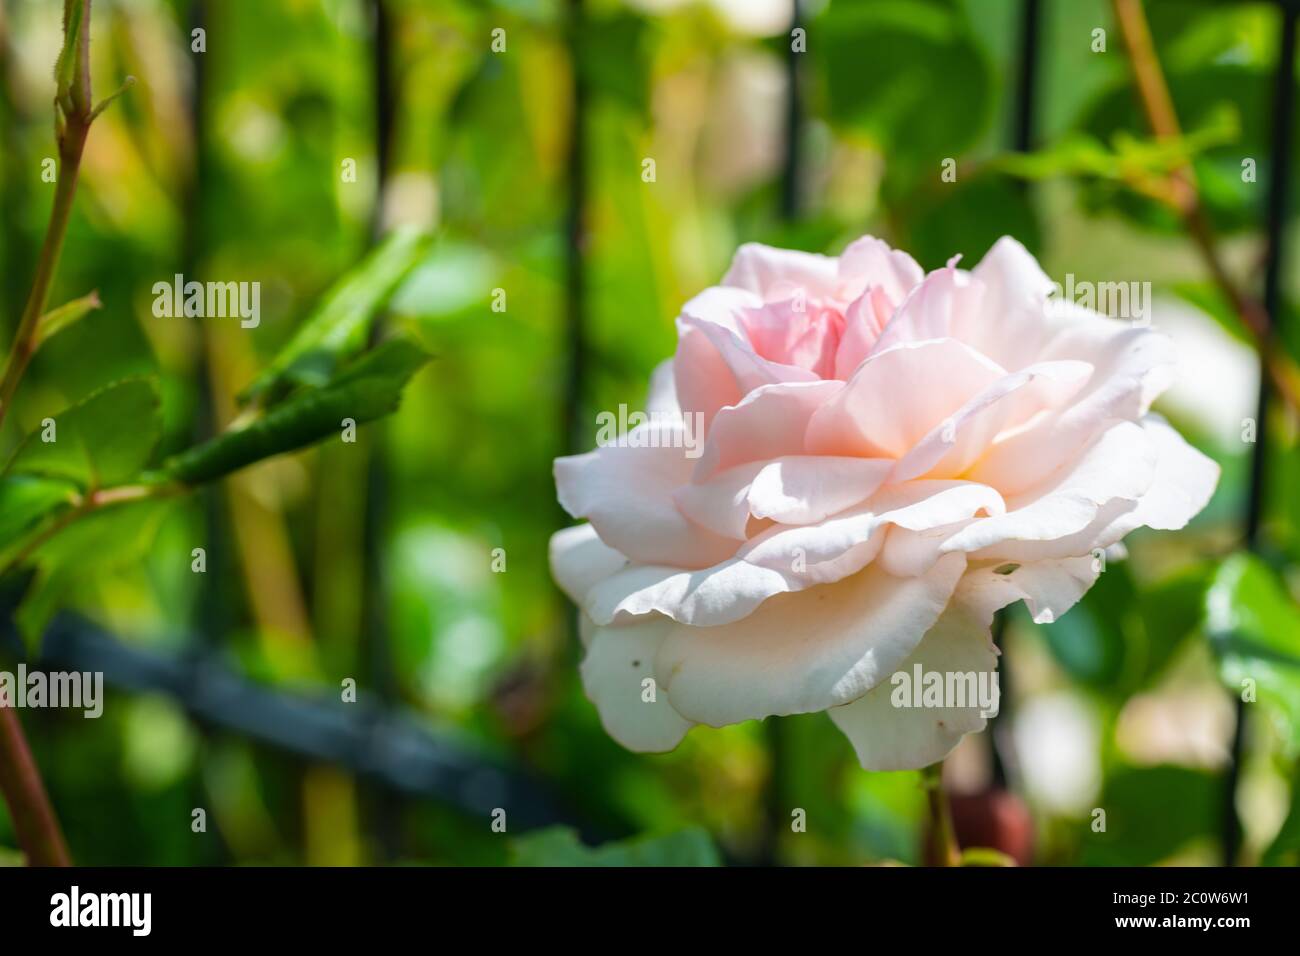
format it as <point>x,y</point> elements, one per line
<point>888,457</point>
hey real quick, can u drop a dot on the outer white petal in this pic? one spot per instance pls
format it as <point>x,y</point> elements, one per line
<point>886,737</point>
<point>801,653</point>
<point>1049,588</point>
<point>662,395</point>
<point>1184,481</point>
<point>618,660</point>
<point>579,559</point>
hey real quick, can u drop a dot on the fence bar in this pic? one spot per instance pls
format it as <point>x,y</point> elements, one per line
<point>1275,222</point>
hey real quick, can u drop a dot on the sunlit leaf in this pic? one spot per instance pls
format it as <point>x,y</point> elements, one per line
<point>338,328</point>
<point>365,390</point>
<point>105,439</point>
<point>25,499</point>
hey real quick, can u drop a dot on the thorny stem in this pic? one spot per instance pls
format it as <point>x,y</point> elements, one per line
<point>71,145</point>
<point>942,834</point>
<point>1153,92</point>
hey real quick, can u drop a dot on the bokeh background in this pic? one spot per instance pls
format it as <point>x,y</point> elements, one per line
<point>379,561</point>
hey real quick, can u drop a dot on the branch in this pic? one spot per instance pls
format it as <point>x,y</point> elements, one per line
<point>34,821</point>
<point>74,111</point>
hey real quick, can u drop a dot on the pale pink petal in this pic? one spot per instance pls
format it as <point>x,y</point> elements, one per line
<point>959,441</point>
<point>896,397</point>
<point>768,423</point>
<point>945,305</point>
<point>788,489</point>
<point>805,490</point>
<point>626,492</point>
<point>778,273</point>
<point>721,503</point>
<point>869,262</point>
<point>715,364</point>
<point>1130,366</point>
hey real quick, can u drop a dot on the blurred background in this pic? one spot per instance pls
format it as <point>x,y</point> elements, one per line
<point>415,562</point>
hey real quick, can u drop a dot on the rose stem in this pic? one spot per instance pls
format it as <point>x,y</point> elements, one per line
<point>34,821</point>
<point>941,829</point>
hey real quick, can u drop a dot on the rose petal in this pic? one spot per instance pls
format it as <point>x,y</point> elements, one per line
<point>1119,464</point>
<point>801,653</point>
<point>625,490</point>
<point>618,660</point>
<point>579,559</point>
<point>769,422</point>
<point>889,737</point>
<point>896,397</point>
<point>777,273</point>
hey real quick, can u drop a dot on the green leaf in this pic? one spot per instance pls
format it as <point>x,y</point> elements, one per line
<point>103,440</point>
<point>56,320</point>
<point>25,500</point>
<point>1152,813</point>
<point>560,846</point>
<point>916,113</point>
<point>369,388</point>
<point>103,540</point>
<point>1119,639</point>
<point>338,328</point>
<point>1254,630</point>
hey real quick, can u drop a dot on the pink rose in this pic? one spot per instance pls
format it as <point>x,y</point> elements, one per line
<point>887,458</point>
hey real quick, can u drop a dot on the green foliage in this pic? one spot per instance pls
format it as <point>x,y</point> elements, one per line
<point>560,846</point>
<point>25,499</point>
<point>1153,813</point>
<point>364,390</point>
<point>104,440</point>
<point>84,552</point>
<point>337,328</point>
<point>1120,638</point>
<point>894,94</point>
<point>1254,629</point>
